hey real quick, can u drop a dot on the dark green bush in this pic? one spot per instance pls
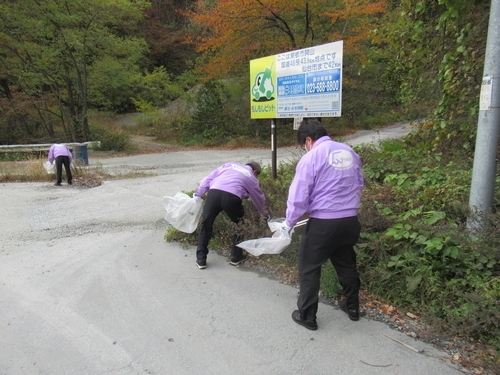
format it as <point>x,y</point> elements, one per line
<point>116,140</point>
<point>416,250</point>
<point>209,125</point>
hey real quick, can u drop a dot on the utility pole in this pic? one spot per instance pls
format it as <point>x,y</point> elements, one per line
<point>485,163</point>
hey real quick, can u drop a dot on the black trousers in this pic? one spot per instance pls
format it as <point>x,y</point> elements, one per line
<point>217,201</point>
<point>60,160</point>
<point>324,239</point>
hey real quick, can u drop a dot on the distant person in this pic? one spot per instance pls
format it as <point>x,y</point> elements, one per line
<point>227,186</point>
<point>327,184</point>
<point>62,156</point>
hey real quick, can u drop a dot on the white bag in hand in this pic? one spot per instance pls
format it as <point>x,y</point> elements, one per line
<point>269,245</point>
<point>49,167</point>
<point>183,212</point>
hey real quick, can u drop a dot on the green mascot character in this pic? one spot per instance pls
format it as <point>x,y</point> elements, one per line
<point>263,85</point>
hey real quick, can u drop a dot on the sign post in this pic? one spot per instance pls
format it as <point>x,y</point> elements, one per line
<point>273,148</point>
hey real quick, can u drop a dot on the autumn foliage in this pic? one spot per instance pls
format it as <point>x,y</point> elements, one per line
<point>232,32</point>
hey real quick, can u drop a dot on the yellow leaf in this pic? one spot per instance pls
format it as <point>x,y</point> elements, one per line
<point>413,316</point>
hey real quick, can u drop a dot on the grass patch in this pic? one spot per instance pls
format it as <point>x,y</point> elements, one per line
<point>83,176</point>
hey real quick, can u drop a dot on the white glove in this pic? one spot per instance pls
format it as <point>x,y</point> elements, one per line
<point>197,198</point>
<point>285,231</point>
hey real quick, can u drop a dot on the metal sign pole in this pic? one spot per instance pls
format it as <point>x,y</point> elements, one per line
<point>484,169</point>
<point>273,148</point>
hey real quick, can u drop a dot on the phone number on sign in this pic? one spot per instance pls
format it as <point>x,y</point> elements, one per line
<point>322,86</point>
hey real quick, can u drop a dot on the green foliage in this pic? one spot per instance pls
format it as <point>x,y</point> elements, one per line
<point>438,181</point>
<point>416,250</point>
<point>330,284</point>
<point>156,88</point>
<point>437,270</point>
<point>207,124</point>
<point>24,119</point>
<point>368,99</point>
<point>438,49</point>
<point>52,49</point>
<point>111,86</point>
<point>116,140</point>
<point>211,122</point>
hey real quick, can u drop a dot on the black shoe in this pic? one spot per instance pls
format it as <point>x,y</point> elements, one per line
<point>56,184</point>
<point>237,262</point>
<point>352,314</point>
<point>70,183</point>
<point>309,324</point>
<point>202,264</point>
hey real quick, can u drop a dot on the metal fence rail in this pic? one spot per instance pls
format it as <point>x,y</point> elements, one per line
<point>45,146</point>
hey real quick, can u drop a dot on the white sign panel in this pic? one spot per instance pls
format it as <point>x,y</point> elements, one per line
<point>309,81</point>
<point>485,96</point>
<point>296,122</point>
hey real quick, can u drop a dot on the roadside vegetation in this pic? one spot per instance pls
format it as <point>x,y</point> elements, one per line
<point>178,71</point>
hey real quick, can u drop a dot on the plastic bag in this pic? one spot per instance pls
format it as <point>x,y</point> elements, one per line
<point>49,167</point>
<point>275,224</point>
<point>268,245</point>
<point>183,212</point>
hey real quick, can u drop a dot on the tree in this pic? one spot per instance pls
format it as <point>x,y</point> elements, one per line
<point>50,46</point>
<point>209,121</point>
<point>438,52</point>
<point>164,28</point>
<point>231,32</point>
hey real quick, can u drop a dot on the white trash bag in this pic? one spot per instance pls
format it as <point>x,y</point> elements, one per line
<point>275,224</point>
<point>268,245</point>
<point>183,212</point>
<point>49,167</point>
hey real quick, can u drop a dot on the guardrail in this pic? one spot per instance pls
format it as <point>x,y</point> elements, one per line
<point>45,146</point>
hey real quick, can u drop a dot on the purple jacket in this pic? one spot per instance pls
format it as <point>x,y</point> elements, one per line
<point>236,179</point>
<point>327,183</point>
<point>59,150</point>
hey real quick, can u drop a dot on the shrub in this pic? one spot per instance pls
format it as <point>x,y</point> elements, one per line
<point>209,125</point>
<point>415,249</point>
<point>116,139</point>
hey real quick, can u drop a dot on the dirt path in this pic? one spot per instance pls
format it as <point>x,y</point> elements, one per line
<point>145,143</point>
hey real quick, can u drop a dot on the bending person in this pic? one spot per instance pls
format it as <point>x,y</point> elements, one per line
<point>226,187</point>
<point>62,156</point>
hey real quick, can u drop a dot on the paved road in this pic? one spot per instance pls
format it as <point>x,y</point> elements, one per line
<point>180,162</point>
<point>89,286</point>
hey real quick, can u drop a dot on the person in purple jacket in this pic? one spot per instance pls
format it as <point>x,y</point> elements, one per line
<point>227,186</point>
<point>327,185</point>
<point>62,155</point>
